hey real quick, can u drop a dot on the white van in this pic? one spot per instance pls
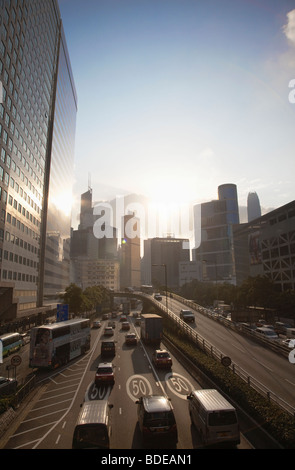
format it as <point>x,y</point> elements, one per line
<point>93,427</point>
<point>214,417</point>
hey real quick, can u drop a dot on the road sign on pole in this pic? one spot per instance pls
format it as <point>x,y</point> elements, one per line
<point>62,313</point>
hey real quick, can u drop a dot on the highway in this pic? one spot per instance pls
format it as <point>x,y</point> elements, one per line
<point>49,419</point>
<point>275,372</point>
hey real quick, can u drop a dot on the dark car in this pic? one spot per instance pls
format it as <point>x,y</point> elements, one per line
<point>157,421</point>
<point>96,324</point>
<point>131,339</point>
<point>108,348</point>
<point>7,386</point>
<point>161,358</point>
<point>105,374</point>
<point>158,297</point>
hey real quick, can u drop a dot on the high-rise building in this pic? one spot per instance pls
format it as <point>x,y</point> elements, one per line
<point>94,253</point>
<point>162,258</point>
<point>37,130</point>
<point>216,220</point>
<point>253,207</point>
<point>130,272</point>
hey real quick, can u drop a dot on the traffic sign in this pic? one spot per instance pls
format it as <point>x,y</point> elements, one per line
<point>16,360</point>
<point>62,312</point>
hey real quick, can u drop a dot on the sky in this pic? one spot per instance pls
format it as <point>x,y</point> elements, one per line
<point>176,97</point>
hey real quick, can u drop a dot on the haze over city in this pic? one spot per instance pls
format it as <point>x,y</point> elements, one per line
<point>178,97</point>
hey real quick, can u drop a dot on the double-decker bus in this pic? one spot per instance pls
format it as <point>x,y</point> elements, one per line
<point>54,345</point>
<point>10,343</point>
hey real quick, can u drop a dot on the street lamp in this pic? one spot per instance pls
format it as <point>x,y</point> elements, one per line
<point>164,266</point>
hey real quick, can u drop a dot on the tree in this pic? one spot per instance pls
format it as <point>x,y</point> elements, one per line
<point>73,297</point>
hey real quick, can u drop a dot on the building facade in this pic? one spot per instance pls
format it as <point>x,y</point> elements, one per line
<point>253,207</point>
<point>266,247</point>
<point>93,255</point>
<point>36,151</point>
<point>162,258</point>
<point>216,220</point>
<point>130,252</point>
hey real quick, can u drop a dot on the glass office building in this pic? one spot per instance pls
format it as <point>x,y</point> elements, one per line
<point>37,125</point>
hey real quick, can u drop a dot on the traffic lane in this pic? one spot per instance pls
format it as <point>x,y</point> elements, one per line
<point>57,398</point>
<point>275,372</point>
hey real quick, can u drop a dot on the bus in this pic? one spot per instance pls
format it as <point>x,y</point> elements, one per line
<point>145,289</point>
<point>11,342</point>
<point>56,344</point>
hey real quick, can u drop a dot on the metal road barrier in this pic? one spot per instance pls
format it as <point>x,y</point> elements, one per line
<point>208,348</point>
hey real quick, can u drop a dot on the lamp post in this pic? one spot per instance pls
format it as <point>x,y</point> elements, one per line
<point>164,266</point>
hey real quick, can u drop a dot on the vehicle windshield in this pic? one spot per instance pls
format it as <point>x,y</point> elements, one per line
<point>221,418</point>
<point>104,370</point>
<point>92,437</point>
<point>160,418</point>
<point>162,355</point>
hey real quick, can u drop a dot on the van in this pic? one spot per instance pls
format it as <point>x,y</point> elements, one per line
<point>156,420</point>
<point>267,333</point>
<point>93,427</point>
<point>214,417</point>
<point>108,348</point>
<point>281,328</point>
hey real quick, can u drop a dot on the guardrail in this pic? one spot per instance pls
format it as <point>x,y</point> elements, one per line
<point>208,348</point>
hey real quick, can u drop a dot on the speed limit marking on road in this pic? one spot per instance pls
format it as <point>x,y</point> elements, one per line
<point>179,385</point>
<point>97,393</point>
<point>138,386</point>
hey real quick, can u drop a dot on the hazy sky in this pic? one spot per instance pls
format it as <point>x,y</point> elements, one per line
<point>176,97</point>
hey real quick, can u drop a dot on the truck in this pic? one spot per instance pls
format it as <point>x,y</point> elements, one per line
<point>187,316</point>
<point>126,308</point>
<point>151,330</point>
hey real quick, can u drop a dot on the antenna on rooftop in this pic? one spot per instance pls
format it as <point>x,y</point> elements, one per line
<point>89,181</point>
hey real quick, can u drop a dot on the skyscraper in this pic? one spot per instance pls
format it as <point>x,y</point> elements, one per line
<point>130,272</point>
<point>217,219</point>
<point>37,130</point>
<point>253,207</point>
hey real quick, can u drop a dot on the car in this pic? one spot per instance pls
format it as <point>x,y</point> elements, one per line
<point>7,386</point>
<point>96,324</point>
<point>112,324</point>
<point>261,322</point>
<point>104,374</point>
<point>161,358</point>
<point>108,348</point>
<point>131,338</point>
<point>125,325</point>
<point>123,318</point>
<point>290,342</point>
<point>158,297</point>
<point>187,316</point>
<point>157,421</point>
<point>138,321</point>
<point>105,316</point>
<point>114,314</point>
<point>108,331</point>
